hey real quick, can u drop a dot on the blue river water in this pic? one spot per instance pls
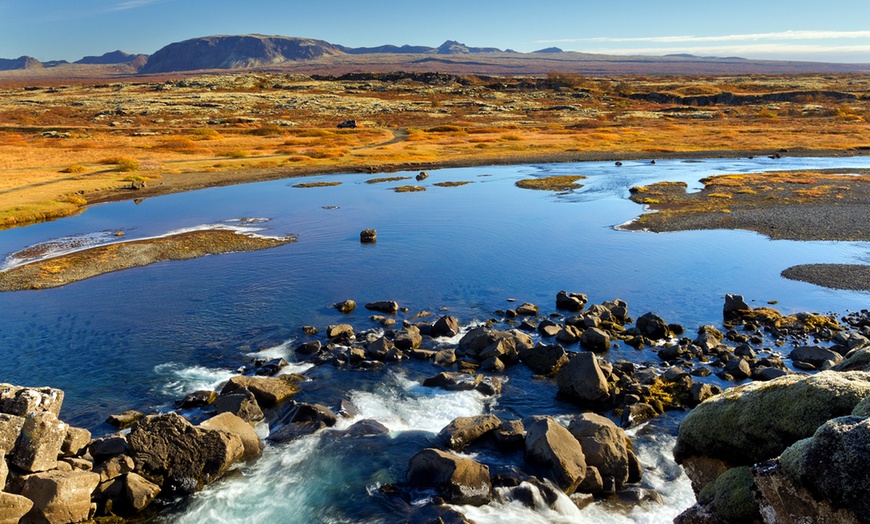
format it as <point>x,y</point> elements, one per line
<point>141,338</point>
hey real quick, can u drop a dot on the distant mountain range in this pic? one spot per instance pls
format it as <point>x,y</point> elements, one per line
<point>240,52</point>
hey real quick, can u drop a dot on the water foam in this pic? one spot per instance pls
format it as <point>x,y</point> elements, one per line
<point>181,380</point>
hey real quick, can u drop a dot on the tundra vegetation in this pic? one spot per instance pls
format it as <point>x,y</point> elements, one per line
<point>64,144</point>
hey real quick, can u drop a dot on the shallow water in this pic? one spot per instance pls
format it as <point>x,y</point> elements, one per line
<point>141,338</point>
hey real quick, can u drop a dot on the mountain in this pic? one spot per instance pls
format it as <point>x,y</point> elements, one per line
<point>114,57</point>
<point>23,62</point>
<point>230,52</point>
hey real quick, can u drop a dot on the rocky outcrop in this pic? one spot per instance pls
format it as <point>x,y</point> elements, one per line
<point>269,391</point>
<point>13,507</point>
<point>232,424</point>
<point>60,496</point>
<point>459,480</point>
<point>180,457</point>
<point>607,448</point>
<point>39,442</point>
<point>758,421</point>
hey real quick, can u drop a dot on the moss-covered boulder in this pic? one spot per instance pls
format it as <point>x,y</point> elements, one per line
<point>758,421</point>
<point>834,464</point>
<point>731,497</point>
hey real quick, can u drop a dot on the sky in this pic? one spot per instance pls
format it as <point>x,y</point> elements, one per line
<point>810,30</point>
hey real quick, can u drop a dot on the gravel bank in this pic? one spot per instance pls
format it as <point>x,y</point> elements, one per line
<point>854,277</point>
<point>65,269</point>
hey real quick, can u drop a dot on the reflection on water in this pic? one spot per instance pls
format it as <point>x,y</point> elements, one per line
<point>141,338</point>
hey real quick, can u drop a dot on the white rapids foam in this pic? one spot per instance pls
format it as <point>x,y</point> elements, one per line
<point>180,380</point>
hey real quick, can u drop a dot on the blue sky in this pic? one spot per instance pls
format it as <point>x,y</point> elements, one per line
<point>833,31</point>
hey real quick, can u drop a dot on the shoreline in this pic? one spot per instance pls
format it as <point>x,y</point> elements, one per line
<point>182,182</point>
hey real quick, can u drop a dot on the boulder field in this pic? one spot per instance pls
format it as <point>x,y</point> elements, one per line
<point>780,446</point>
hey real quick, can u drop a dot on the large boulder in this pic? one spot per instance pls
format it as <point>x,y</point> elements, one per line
<point>241,403</point>
<point>75,442</point>
<point>39,443</point>
<point>60,496</point>
<point>233,424</point>
<point>582,380</point>
<point>446,326</point>
<point>652,326</point>
<point>834,464</point>
<point>13,507</point>
<point>544,359</point>
<point>269,391</point>
<point>462,431</point>
<point>17,400</point>
<point>757,421</point>
<point>606,447</point>
<point>459,480</point>
<point>817,357</point>
<point>595,339</point>
<point>783,501</point>
<point>180,457</point>
<point>552,448</point>
<point>408,338</point>
<point>139,492</point>
<point>570,301</point>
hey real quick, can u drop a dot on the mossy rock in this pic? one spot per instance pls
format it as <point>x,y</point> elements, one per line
<point>758,421</point>
<point>732,496</point>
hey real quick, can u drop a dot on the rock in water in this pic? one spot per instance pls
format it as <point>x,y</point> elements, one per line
<point>553,448</point>
<point>368,236</point>
<point>582,379</point>
<point>60,496</point>
<point>459,480</point>
<point>179,457</point>
<point>462,431</point>
<point>606,447</point>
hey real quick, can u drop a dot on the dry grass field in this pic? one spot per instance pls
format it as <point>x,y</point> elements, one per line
<point>64,145</point>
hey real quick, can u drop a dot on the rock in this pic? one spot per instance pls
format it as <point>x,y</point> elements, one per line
<point>568,335</point>
<point>605,446</point>
<point>453,381</point>
<point>782,501</point>
<point>697,514</point>
<point>834,464</point>
<point>462,431</point>
<point>435,514</point>
<point>548,328</point>
<point>241,403</point>
<point>596,340</point>
<point>738,368</point>
<point>570,302</point>
<point>13,507</point>
<point>295,430</point>
<point>103,448</point>
<point>308,348</point>
<point>734,304</point>
<point>731,497</point>
<point>527,309</point>
<point>340,331</point>
<point>582,380</point>
<point>60,497</point>
<point>233,424</point>
<point>269,391</point>
<point>458,480</point>
<point>510,434</point>
<point>366,428</point>
<point>39,442</point>
<point>489,386</point>
<point>384,306</point>
<point>818,357</point>
<point>581,500</point>
<point>699,392</point>
<point>422,176</point>
<point>139,492</point>
<point>179,457</point>
<point>447,326</point>
<point>114,467</point>
<point>4,469</point>
<point>125,419</point>
<point>551,447</point>
<point>379,348</point>
<point>493,364</point>
<point>345,306</point>
<point>305,412</point>
<point>652,326</point>
<point>445,357</point>
<point>368,236</point>
<point>636,413</point>
<point>21,401</point>
<point>757,421</point>
<point>544,359</point>
<point>197,399</point>
<point>272,367</point>
<point>10,428</point>
<point>408,338</point>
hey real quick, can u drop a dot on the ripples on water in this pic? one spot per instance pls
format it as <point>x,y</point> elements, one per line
<point>142,338</point>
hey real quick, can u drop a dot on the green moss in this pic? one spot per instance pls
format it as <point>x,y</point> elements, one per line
<point>387,179</point>
<point>408,189</point>
<point>732,497</point>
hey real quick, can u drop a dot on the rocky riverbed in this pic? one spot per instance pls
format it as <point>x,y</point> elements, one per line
<point>89,262</point>
<point>816,392</point>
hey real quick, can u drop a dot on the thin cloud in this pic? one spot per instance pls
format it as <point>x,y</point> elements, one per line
<point>782,35</point>
<point>133,4</point>
<point>743,50</point>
